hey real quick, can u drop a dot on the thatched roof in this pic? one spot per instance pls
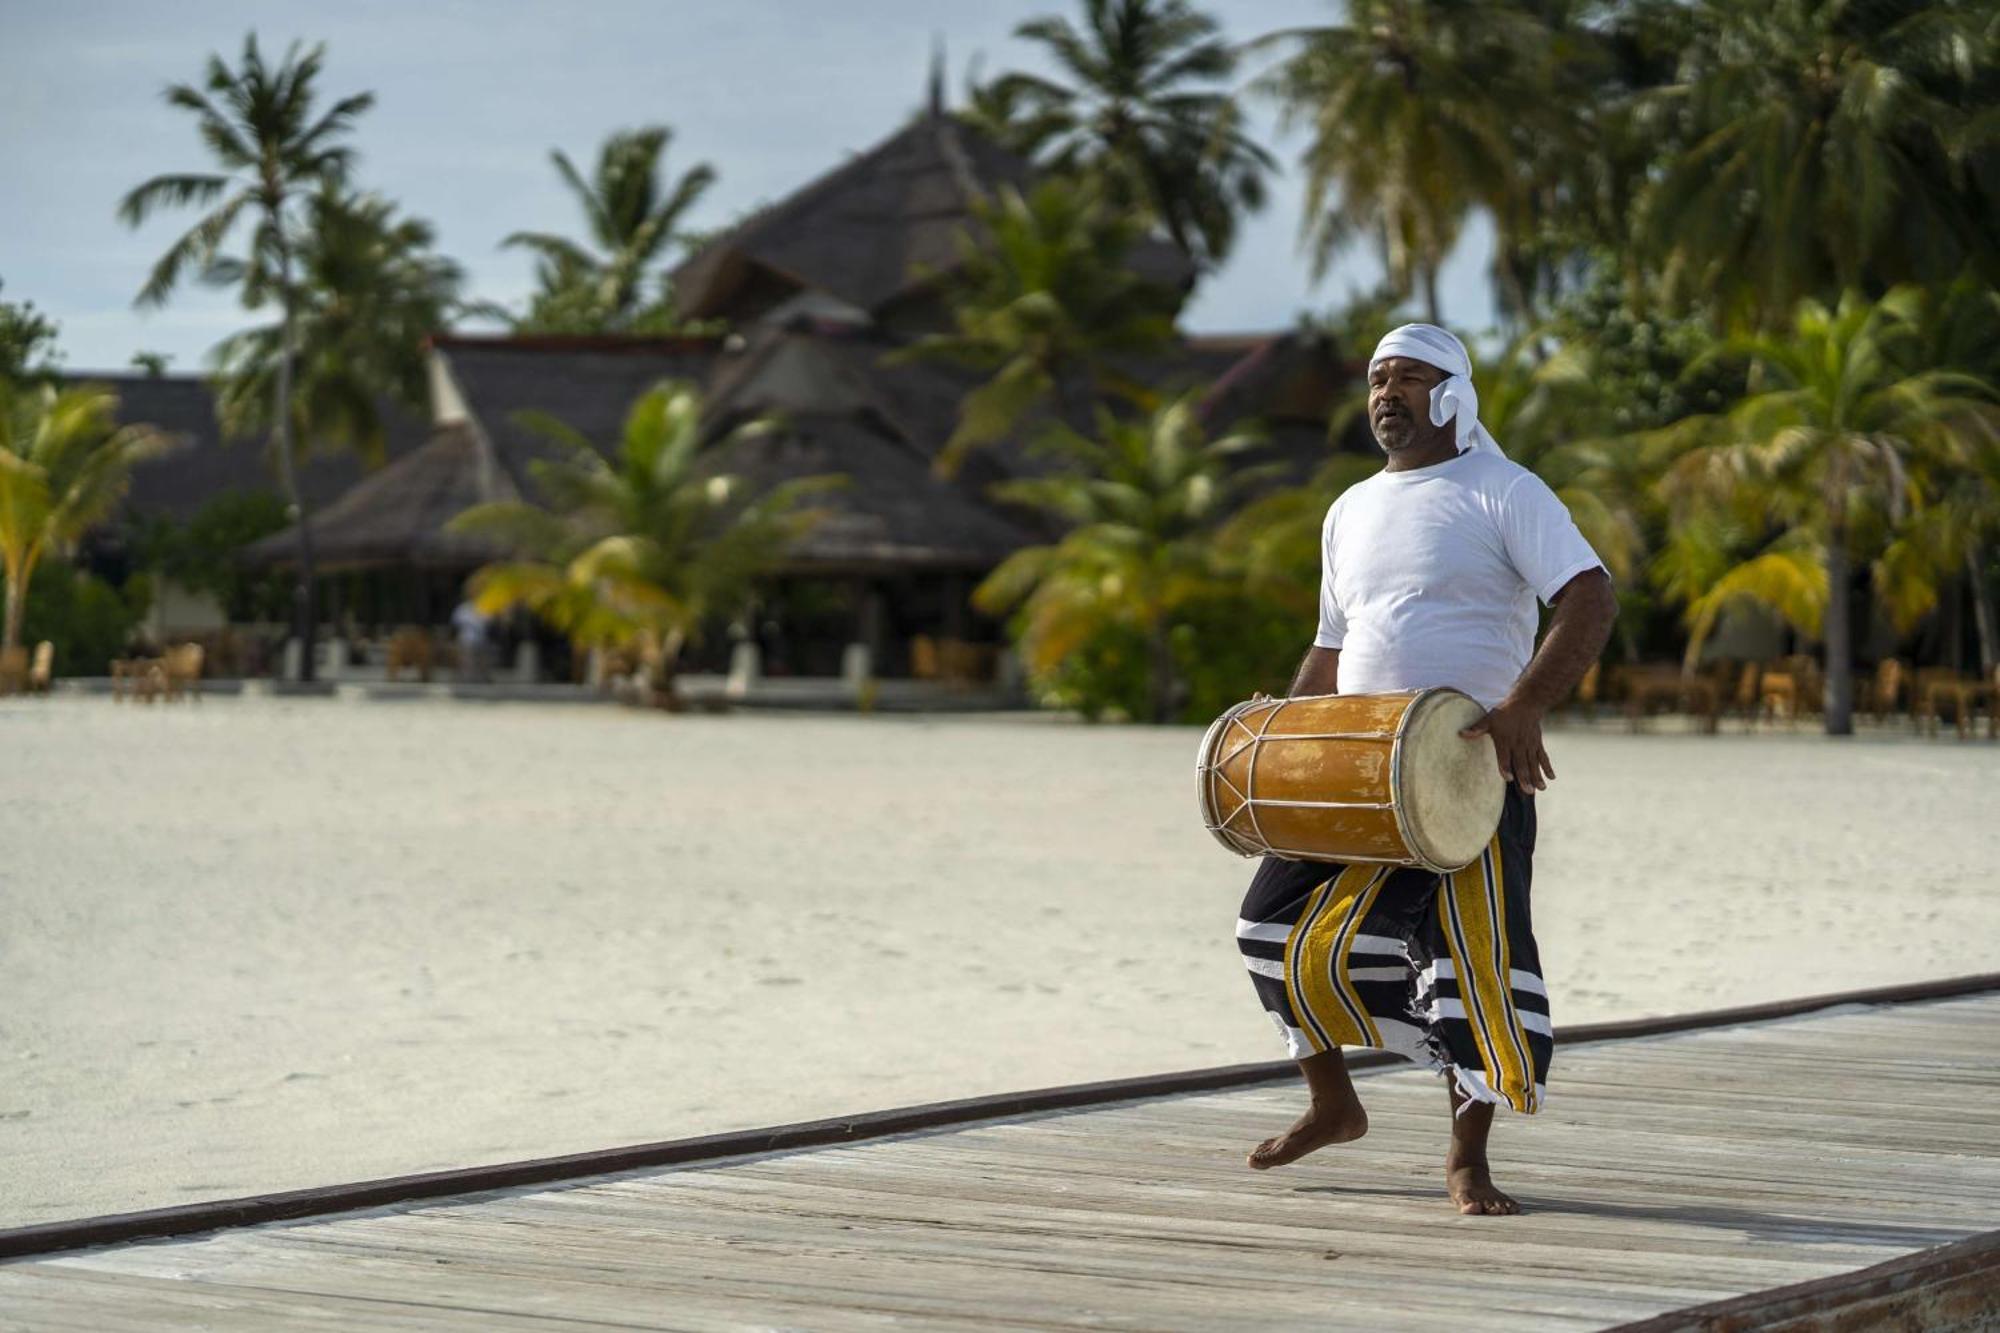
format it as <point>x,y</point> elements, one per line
<point>587,383</point>
<point>845,414</point>
<point>397,515</point>
<point>867,232</point>
<point>208,465</point>
<point>1291,383</point>
<point>841,417</point>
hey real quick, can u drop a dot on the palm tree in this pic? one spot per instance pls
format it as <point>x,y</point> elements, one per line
<point>632,213</point>
<point>1143,500</point>
<point>258,122</point>
<point>1046,297</point>
<point>1826,148</point>
<point>369,292</point>
<point>1827,446</point>
<point>644,549</point>
<point>64,464</point>
<point>1143,113</point>
<point>1415,110</point>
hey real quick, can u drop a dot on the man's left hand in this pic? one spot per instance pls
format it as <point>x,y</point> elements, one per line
<point>1516,730</point>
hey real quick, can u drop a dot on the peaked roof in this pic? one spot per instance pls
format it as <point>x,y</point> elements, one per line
<point>396,515</point>
<point>587,383</point>
<point>870,230</point>
<point>828,391</point>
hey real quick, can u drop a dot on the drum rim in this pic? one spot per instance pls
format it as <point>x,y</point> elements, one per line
<point>1425,700</point>
<point>1204,765</point>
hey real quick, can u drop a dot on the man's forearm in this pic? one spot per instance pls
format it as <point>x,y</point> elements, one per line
<point>1318,673</point>
<point>1581,626</point>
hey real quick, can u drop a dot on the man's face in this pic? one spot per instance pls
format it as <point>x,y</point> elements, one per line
<point>1399,403</point>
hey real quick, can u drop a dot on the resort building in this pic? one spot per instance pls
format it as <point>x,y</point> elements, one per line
<point>816,293</point>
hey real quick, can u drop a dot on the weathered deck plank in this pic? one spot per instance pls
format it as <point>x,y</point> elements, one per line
<point>1667,1171</point>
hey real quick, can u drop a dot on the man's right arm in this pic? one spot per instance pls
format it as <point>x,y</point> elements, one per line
<point>1319,673</point>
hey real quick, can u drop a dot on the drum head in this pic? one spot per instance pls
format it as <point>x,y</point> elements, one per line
<point>1451,790</point>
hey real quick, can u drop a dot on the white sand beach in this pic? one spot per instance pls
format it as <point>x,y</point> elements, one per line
<point>255,945</point>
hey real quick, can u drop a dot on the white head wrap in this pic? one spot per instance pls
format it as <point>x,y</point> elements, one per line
<point>1455,397</point>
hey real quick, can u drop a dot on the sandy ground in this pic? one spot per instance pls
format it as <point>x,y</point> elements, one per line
<point>258,945</point>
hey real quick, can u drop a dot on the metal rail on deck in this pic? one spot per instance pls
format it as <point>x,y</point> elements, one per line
<point>185,1219</point>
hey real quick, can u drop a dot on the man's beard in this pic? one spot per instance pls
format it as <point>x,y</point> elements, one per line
<point>1394,432</point>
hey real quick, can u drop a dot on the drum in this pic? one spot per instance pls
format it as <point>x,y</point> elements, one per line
<point>1382,778</point>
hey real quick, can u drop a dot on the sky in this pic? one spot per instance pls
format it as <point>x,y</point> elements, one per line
<point>471,95</point>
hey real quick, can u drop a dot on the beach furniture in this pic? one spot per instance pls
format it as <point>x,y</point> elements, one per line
<point>13,670</point>
<point>42,669</point>
<point>1649,685</point>
<point>1887,688</point>
<point>131,676</point>
<point>410,646</point>
<point>1942,689</point>
<point>180,671</point>
<point>1789,687</point>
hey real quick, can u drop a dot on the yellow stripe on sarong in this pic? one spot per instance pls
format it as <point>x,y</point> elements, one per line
<point>1473,908</point>
<point>1316,960</point>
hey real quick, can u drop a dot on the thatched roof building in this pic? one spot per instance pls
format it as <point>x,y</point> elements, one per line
<point>395,517</point>
<point>867,241</point>
<point>818,291</point>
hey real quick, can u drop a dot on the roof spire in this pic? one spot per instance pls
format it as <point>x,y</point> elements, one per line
<point>936,103</point>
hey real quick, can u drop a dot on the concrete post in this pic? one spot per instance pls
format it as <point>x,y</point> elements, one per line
<point>746,665</point>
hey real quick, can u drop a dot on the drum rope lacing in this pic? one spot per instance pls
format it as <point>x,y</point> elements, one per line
<point>1254,741</point>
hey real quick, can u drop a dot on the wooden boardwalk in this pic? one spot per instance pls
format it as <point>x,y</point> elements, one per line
<point>1666,1172</point>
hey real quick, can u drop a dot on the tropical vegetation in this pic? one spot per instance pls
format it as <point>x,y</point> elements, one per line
<point>634,214</point>
<point>1142,499</point>
<point>1747,287</point>
<point>641,544</point>
<point>1142,111</point>
<point>1046,306</point>
<point>64,463</point>
<point>274,150</point>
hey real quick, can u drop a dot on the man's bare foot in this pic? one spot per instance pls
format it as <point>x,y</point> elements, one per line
<point>1473,1191</point>
<point>1316,1129</point>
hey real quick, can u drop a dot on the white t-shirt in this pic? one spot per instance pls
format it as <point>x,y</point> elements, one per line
<point>1429,576</point>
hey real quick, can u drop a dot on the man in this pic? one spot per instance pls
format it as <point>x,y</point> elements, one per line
<point>1430,573</point>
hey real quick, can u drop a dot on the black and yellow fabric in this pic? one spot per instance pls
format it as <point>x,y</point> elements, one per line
<point>1441,969</point>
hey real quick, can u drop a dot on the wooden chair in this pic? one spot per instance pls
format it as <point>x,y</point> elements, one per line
<point>13,670</point>
<point>410,646</point>
<point>1887,688</point>
<point>1942,689</point>
<point>1662,683</point>
<point>962,663</point>
<point>180,670</point>
<point>924,663</point>
<point>132,676</point>
<point>42,671</point>
<point>1784,689</point>
<point>1749,692</point>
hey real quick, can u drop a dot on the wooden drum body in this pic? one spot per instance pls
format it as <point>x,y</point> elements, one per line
<point>1380,778</point>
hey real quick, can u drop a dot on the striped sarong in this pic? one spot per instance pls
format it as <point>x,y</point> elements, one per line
<point>1440,969</point>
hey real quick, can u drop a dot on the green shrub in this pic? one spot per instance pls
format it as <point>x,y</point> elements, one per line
<point>88,620</point>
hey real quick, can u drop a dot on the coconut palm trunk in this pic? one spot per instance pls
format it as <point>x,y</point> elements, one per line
<point>1160,648</point>
<point>304,617</point>
<point>1982,613</point>
<point>17,603</point>
<point>1839,700</point>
